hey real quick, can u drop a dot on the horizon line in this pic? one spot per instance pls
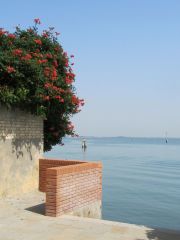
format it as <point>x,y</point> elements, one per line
<point>89,136</point>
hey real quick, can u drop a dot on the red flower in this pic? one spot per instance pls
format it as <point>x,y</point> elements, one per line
<point>45,35</point>
<point>70,75</point>
<point>17,52</point>
<point>11,36</point>
<point>59,98</point>
<point>54,74</point>
<point>55,63</point>
<point>49,55</point>
<point>70,126</point>
<point>38,41</point>
<point>75,100</point>
<point>46,98</point>
<point>26,57</point>
<point>68,80</point>
<point>47,85</point>
<point>57,49</point>
<point>37,21</point>
<point>66,63</point>
<point>42,61</point>
<point>52,87</point>
<point>10,69</point>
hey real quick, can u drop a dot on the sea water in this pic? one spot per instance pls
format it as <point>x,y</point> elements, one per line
<point>141,177</point>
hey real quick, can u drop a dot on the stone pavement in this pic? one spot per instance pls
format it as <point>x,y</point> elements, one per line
<point>22,219</point>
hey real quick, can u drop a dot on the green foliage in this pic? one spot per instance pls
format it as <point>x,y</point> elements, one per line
<point>36,76</point>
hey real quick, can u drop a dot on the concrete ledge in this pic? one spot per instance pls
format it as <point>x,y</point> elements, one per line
<point>23,218</point>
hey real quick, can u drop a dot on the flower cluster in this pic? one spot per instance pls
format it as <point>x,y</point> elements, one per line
<point>36,75</point>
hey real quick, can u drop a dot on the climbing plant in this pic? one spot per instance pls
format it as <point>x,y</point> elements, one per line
<point>36,76</point>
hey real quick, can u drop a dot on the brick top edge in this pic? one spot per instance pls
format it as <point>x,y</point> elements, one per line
<point>49,160</point>
<point>74,168</point>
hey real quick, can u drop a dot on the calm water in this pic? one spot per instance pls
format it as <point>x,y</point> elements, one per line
<point>141,177</point>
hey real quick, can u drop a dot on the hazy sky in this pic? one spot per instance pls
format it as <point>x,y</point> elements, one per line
<point>127,60</point>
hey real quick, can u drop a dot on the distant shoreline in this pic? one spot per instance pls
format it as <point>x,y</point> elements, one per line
<point>124,137</point>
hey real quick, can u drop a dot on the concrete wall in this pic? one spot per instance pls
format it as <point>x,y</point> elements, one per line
<point>21,146</point>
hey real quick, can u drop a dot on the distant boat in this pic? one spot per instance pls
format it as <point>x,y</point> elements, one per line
<point>166,138</point>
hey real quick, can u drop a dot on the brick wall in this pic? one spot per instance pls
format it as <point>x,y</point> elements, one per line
<point>21,146</point>
<point>49,163</point>
<point>70,186</point>
<point>15,124</point>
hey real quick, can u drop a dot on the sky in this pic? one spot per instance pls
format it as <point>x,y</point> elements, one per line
<point>127,60</point>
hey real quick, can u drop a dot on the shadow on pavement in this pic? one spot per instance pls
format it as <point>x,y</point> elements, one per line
<point>39,209</point>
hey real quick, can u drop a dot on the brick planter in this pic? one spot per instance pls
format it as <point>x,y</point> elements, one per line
<point>71,187</point>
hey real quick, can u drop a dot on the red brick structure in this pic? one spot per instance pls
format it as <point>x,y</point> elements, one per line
<point>69,185</point>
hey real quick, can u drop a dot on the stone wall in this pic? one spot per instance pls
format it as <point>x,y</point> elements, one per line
<point>21,146</point>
